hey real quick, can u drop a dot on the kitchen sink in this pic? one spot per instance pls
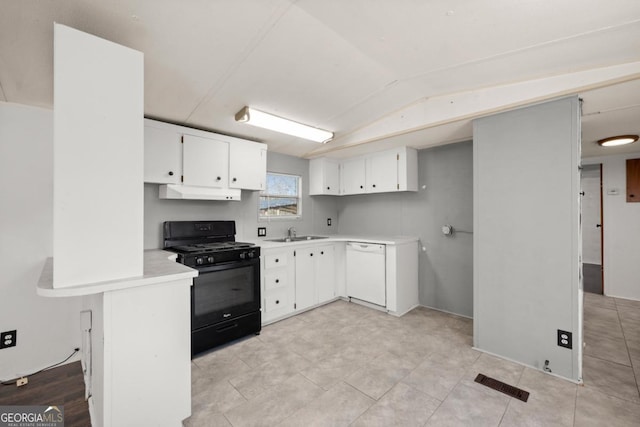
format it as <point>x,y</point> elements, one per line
<point>296,239</point>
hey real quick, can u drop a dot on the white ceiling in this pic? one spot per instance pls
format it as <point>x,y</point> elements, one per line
<point>358,67</point>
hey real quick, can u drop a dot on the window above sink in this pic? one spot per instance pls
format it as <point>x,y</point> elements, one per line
<point>282,197</point>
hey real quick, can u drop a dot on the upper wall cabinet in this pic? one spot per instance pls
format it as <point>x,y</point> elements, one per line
<point>180,155</point>
<point>324,177</point>
<point>162,153</point>
<point>205,162</point>
<point>382,172</point>
<point>247,165</point>
<point>386,171</point>
<point>353,177</point>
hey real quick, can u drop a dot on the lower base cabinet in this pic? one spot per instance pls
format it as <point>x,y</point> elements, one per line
<point>326,279</point>
<point>295,280</point>
<point>278,288</point>
<point>315,276</point>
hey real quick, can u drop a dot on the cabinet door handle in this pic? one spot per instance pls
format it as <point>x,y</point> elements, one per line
<point>374,186</point>
<point>234,180</point>
<point>277,301</point>
<point>322,253</point>
<point>277,280</point>
<point>328,188</point>
<point>277,260</point>
<point>170,173</point>
<point>311,254</point>
<point>218,179</point>
<point>361,186</point>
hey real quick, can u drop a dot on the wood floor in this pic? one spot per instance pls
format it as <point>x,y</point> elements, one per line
<point>61,386</point>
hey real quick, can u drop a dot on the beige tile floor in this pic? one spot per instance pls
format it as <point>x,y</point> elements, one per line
<point>346,365</point>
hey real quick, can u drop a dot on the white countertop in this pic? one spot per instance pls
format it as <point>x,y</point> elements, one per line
<point>159,267</point>
<point>385,240</point>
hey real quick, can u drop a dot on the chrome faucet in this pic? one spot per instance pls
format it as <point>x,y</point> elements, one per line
<point>291,233</point>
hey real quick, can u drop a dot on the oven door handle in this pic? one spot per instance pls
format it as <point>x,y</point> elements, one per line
<point>229,265</point>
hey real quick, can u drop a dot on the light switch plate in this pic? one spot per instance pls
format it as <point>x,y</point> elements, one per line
<point>262,231</point>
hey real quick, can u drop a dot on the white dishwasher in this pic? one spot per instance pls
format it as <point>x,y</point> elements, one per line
<point>366,272</point>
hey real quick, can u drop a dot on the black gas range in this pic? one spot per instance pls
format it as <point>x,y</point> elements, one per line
<point>225,297</point>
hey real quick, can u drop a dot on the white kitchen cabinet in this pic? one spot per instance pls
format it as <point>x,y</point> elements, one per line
<point>299,277</point>
<point>306,293</point>
<point>326,273</point>
<point>162,153</point>
<point>392,170</point>
<point>353,176</point>
<point>278,283</point>
<point>247,165</point>
<point>407,161</point>
<point>382,172</point>
<point>205,162</point>
<point>315,276</point>
<point>183,158</point>
<point>401,272</point>
<point>324,177</point>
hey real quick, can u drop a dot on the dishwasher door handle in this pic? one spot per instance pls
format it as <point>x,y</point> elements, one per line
<point>365,247</point>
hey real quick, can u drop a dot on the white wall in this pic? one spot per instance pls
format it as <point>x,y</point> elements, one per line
<point>48,328</point>
<point>526,242</point>
<point>621,230</point>
<point>98,159</point>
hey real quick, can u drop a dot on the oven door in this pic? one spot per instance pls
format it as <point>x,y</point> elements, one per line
<point>225,291</point>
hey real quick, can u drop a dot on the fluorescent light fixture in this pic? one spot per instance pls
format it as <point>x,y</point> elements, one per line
<point>268,121</point>
<point>618,140</point>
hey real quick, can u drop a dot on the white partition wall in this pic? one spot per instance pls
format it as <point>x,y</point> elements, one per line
<point>527,229</point>
<point>98,159</point>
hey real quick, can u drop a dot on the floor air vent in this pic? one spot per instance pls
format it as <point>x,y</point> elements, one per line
<point>507,389</point>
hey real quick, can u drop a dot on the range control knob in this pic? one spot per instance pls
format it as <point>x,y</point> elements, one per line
<point>199,261</point>
<point>251,254</point>
<point>210,259</point>
<point>242,255</point>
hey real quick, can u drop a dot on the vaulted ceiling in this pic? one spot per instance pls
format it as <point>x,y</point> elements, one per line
<point>376,72</point>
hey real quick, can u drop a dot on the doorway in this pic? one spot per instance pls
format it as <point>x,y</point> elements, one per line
<point>592,259</point>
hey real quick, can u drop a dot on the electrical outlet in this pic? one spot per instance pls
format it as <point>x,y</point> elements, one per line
<point>8,339</point>
<point>262,231</point>
<point>564,339</point>
<point>22,381</point>
<point>328,222</point>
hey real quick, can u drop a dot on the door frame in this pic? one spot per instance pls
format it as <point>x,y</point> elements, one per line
<point>601,232</point>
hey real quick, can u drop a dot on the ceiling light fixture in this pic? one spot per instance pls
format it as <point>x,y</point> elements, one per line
<point>618,140</point>
<point>264,120</point>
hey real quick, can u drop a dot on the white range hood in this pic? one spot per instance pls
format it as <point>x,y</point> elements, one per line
<point>187,192</point>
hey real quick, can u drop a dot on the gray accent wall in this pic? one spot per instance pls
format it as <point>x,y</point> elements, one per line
<point>315,210</point>
<point>444,196</point>
<point>527,224</point>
